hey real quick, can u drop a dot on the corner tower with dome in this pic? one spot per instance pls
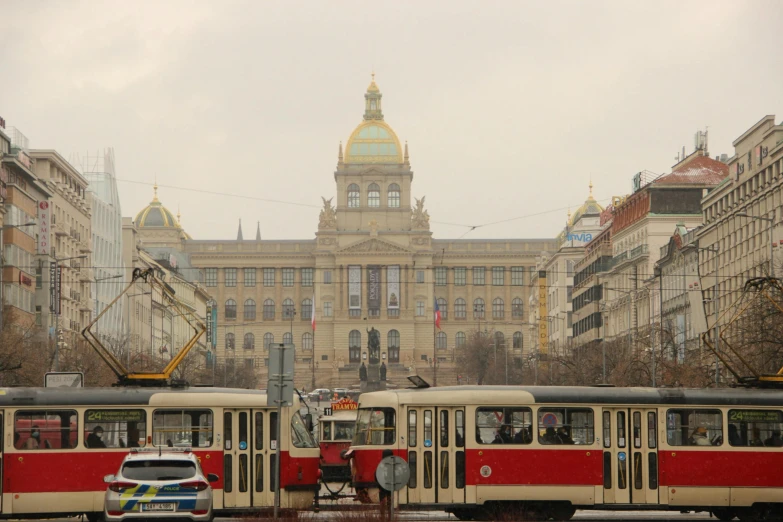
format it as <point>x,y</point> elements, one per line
<point>157,224</point>
<point>372,262</point>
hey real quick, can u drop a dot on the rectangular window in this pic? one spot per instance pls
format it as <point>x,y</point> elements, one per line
<point>428,426</point>
<point>259,431</point>
<point>327,308</point>
<point>459,429</point>
<point>651,430</point>
<point>117,428</point>
<point>478,275</point>
<point>419,308</point>
<point>374,427</point>
<point>566,426</point>
<point>498,275</point>
<point>412,461</point>
<point>211,276</point>
<point>307,277</point>
<point>269,277</point>
<point>607,429</point>
<point>419,276</point>
<point>503,425</point>
<point>412,428</point>
<point>46,429</point>
<point>288,277</point>
<point>231,277</point>
<point>460,276</point>
<point>637,429</point>
<point>250,277</point>
<point>327,277</point>
<point>444,429</point>
<point>441,275</point>
<point>755,428</point>
<point>182,428</point>
<point>692,427</point>
<point>517,275</point>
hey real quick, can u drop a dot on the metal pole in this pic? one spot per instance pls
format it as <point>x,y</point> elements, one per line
<point>771,251</point>
<point>660,332</point>
<point>2,269</point>
<point>279,422</point>
<point>393,491</point>
<point>630,347</point>
<point>715,303</point>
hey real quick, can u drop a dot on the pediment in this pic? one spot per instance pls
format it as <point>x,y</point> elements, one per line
<point>374,245</point>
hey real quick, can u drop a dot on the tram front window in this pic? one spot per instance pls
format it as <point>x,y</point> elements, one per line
<point>374,427</point>
<point>343,430</point>
<point>300,437</point>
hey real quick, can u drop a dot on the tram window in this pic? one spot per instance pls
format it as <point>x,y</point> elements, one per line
<point>243,428</point>
<point>46,429</point>
<point>228,430</point>
<point>607,429</point>
<point>691,427</point>
<point>343,430</point>
<point>427,428</point>
<point>759,428</point>
<point>300,436</point>
<point>183,428</point>
<point>117,428</point>
<point>374,427</point>
<point>566,426</point>
<point>444,469</point>
<point>620,429</point>
<point>427,470</point>
<point>501,425</point>
<point>652,433</point>
<point>444,429</point>
<point>327,431</point>
<point>637,429</point>
<point>259,431</point>
<point>273,429</point>
<point>412,429</point>
<point>459,429</point>
<point>412,462</point>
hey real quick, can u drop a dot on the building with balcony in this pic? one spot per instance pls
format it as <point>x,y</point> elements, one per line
<point>588,292</point>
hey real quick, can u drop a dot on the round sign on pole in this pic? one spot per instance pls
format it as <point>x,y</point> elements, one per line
<point>392,480</point>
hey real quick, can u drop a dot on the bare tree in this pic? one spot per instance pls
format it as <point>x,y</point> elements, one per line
<point>483,359</point>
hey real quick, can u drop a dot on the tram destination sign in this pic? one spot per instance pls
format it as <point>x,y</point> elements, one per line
<point>64,380</point>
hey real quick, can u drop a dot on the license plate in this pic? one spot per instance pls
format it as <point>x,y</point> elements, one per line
<point>158,506</point>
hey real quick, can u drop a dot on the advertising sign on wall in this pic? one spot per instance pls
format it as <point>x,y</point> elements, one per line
<point>44,228</point>
<point>374,287</point>
<point>354,287</point>
<point>393,287</point>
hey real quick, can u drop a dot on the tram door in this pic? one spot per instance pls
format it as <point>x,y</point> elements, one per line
<point>630,443</point>
<point>436,455</point>
<point>236,458</point>
<point>264,454</point>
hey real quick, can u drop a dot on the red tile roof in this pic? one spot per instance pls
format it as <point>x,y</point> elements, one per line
<point>701,170</point>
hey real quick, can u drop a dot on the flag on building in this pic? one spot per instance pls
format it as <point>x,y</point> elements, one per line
<point>437,314</point>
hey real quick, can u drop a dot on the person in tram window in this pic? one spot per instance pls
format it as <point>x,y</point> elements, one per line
<point>34,441</point>
<point>133,436</point>
<point>16,439</point>
<point>503,436</point>
<point>550,437</point>
<point>94,438</point>
<point>756,440</point>
<point>734,436</point>
<point>774,441</point>
<point>523,436</point>
<point>563,437</point>
<point>699,437</point>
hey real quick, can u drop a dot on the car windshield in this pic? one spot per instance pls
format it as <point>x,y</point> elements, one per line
<point>159,470</point>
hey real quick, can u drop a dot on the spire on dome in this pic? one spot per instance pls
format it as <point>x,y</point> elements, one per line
<point>372,101</point>
<point>155,190</point>
<point>591,186</point>
<point>340,154</point>
<point>239,232</point>
<point>258,232</point>
<point>179,216</point>
<point>406,159</point>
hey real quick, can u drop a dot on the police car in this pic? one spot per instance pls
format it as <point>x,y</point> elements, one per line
<point>158,483</point>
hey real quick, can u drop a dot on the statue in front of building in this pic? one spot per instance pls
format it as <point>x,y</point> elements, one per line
<point>374,345</point>
<point>420,218</point>
<point>328,216</point>
<point>383,371</point>
<point>363,373</point>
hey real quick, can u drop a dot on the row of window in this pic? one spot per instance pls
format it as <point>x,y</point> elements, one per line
<point>249,342</point>
<point>374,196</point>
<point>249,310</point>
<point>479,276</point>
<point>498,308</point>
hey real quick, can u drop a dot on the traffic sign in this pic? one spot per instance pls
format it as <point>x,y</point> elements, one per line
<point>64,380</point>
<point>280,388</point>
<point>393,473</point>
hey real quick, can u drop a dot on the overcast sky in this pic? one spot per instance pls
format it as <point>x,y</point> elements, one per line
<point>508,107</point>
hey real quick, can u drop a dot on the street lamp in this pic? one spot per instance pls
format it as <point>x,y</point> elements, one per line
<point>771,221</point>
<point>58,260</point>
<point>2,264</point>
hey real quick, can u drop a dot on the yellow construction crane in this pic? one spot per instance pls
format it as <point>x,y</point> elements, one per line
<point>761,288</point>
<point>124,375</point>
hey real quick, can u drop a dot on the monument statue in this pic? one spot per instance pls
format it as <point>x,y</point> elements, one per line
<point>374,345</point>
<point>328,216</point>
<point>362,372</point>
<point>420,218</point>
<point>383,371</point>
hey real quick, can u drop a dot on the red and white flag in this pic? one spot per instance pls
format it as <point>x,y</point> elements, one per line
<point>437,314</point>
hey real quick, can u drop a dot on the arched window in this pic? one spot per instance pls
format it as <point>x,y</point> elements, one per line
<point>478,308</point>
<point>269,310</point>
<point>440,341</point>
<point>460,339</point>
<point>250,342</point>
<point>444,308</point>
<point>498,308</point>
<point>307,310</point>
<point>460,309</point>
<point>353,195</point>
<point>518,340</point>
<point>288,310</point>
<point>355,346</point>
<point>269,339</point>
<point>230,341</point>
<point>288,338</point>
<point>393,345</point>
<point>250,310</point>
<point>500,339</point>
<point>394,196</point>
<point>307,341</point>
<point>517,308</point>
<point>373,196</point>
<point>231,310</point>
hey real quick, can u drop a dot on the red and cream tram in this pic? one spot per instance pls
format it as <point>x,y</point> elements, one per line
<point>53,462</point>
<point>546,451</point>
<point>335,428</point>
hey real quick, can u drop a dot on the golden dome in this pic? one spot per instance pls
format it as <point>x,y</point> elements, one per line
<point>155,215</point>
<point>589,208</point>
<point>373,141</point>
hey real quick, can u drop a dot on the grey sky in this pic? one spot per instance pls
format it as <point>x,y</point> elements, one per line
<point>508,107</point>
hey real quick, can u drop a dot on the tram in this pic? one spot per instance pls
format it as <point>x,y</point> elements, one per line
<point>335,429</point>
<point>52,463</point>
<point>547,451</point>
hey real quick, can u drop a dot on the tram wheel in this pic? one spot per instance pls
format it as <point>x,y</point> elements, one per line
<point>724,514</point>
<point>751,514</point>
<point>562,511</point>
<point>464,514</point>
